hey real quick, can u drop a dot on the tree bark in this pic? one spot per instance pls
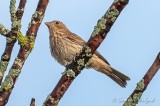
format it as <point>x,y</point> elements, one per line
<point>134,98</point>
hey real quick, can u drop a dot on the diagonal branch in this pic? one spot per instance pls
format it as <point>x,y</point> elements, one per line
<point>11,39</point>
<point>4,31</point>
<point>26,45</point>
<point>20,10</point>
<point>78,63</point>
<point>134,98</point>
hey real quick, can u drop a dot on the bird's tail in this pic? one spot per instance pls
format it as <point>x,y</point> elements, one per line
<point>118,77</point>
<point>100,64</point>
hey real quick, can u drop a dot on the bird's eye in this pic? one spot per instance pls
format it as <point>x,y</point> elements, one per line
<point>57,23</point>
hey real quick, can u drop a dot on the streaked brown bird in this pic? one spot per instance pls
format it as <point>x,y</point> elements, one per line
<point>64,46</point>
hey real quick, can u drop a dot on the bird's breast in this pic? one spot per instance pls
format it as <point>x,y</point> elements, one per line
<point>63,49</point>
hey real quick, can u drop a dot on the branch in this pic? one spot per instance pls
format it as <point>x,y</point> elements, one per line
<point>16,17</point>
<point>4,31</point>
<point>20,10</point>
<point>26,45</point>
<point>32,102</point>
<point>78,63</point>
<point>134,98</point>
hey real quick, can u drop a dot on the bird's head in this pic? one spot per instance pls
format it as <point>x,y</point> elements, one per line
<point>56,25</point>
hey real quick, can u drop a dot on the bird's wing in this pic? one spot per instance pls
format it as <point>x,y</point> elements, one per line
<point>75,38</point>
<point>101,57</point>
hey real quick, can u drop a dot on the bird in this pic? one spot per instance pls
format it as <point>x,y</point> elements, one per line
<point>65,45</point>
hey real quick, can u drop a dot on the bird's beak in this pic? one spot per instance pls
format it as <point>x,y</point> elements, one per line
<point>48,24</point>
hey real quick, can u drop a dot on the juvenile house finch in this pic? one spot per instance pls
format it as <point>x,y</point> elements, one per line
<point>65,45</point>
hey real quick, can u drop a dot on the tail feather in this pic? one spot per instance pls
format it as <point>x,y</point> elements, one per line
<point>119,78</point>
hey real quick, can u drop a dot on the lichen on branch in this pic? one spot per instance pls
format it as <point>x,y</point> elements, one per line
<point>135,97</point>
<point>26,44</point>
<point>11,36</point>
<point>3,30</point>
<point>23,40</point>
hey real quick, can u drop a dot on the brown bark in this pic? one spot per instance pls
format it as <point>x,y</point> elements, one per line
<point>25,49</point>
<point>12,36</point>
<point>134,98</point>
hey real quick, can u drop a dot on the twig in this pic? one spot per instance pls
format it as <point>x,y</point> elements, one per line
<point>78,63</point>
<point>4,31</point>
<point>20,10</point>
<point>26,45</point>
<point>11,39</point>
<point>32,102</point>
<point>134,98</point>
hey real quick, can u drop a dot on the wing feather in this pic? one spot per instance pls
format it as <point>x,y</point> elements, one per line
<point>76,39</point>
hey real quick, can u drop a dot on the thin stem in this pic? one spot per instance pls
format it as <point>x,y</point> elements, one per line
<point>134,98</point>
<point>26,45</point>
<point>11,39</point>
<point>4,31</point>
<point>20,9</point>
